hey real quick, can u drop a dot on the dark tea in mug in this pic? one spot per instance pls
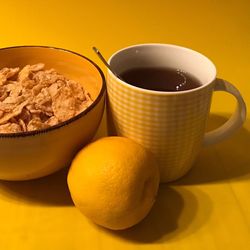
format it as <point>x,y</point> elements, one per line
<point>160,79</point>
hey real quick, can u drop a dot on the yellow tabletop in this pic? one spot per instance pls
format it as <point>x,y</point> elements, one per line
<point>207,209</point>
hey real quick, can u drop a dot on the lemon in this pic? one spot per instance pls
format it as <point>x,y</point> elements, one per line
<point>114,182</point>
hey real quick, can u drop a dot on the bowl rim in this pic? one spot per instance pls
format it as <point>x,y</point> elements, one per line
<point>61,124</point>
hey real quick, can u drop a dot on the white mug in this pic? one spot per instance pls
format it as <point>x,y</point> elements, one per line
<point>170,124</point>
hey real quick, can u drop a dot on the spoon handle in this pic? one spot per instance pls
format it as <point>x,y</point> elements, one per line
<point>105,62</point>
<point>102,58</point>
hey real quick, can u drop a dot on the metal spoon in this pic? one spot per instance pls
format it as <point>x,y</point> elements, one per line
<point>105,62</point>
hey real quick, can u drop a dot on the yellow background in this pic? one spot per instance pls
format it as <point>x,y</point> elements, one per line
<point>207,209</point>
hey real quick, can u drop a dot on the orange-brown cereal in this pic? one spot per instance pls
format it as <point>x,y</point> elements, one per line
<point>34,98</point>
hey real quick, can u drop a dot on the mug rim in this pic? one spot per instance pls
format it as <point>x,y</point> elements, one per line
<point>157,92</point>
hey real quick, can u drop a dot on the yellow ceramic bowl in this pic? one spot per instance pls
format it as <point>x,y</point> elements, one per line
<point>38,153</point>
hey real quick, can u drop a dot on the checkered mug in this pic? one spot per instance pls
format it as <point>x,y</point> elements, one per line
<point>170,124</point>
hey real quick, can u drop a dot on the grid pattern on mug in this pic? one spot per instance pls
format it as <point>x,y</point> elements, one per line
<point>171,126</point>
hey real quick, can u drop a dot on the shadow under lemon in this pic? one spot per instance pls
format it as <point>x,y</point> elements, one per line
<point>50,190</point>
<point>177,212</point>
<point>226,160</point>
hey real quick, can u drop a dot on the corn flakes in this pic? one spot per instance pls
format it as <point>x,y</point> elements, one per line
<point>34,98</point>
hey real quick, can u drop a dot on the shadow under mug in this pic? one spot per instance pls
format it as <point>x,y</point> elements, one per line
<point>170,124</point>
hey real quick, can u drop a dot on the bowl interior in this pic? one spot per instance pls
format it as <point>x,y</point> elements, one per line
<point>69,64</point>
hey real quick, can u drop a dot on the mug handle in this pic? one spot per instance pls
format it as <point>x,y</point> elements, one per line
<point>234,122</point>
